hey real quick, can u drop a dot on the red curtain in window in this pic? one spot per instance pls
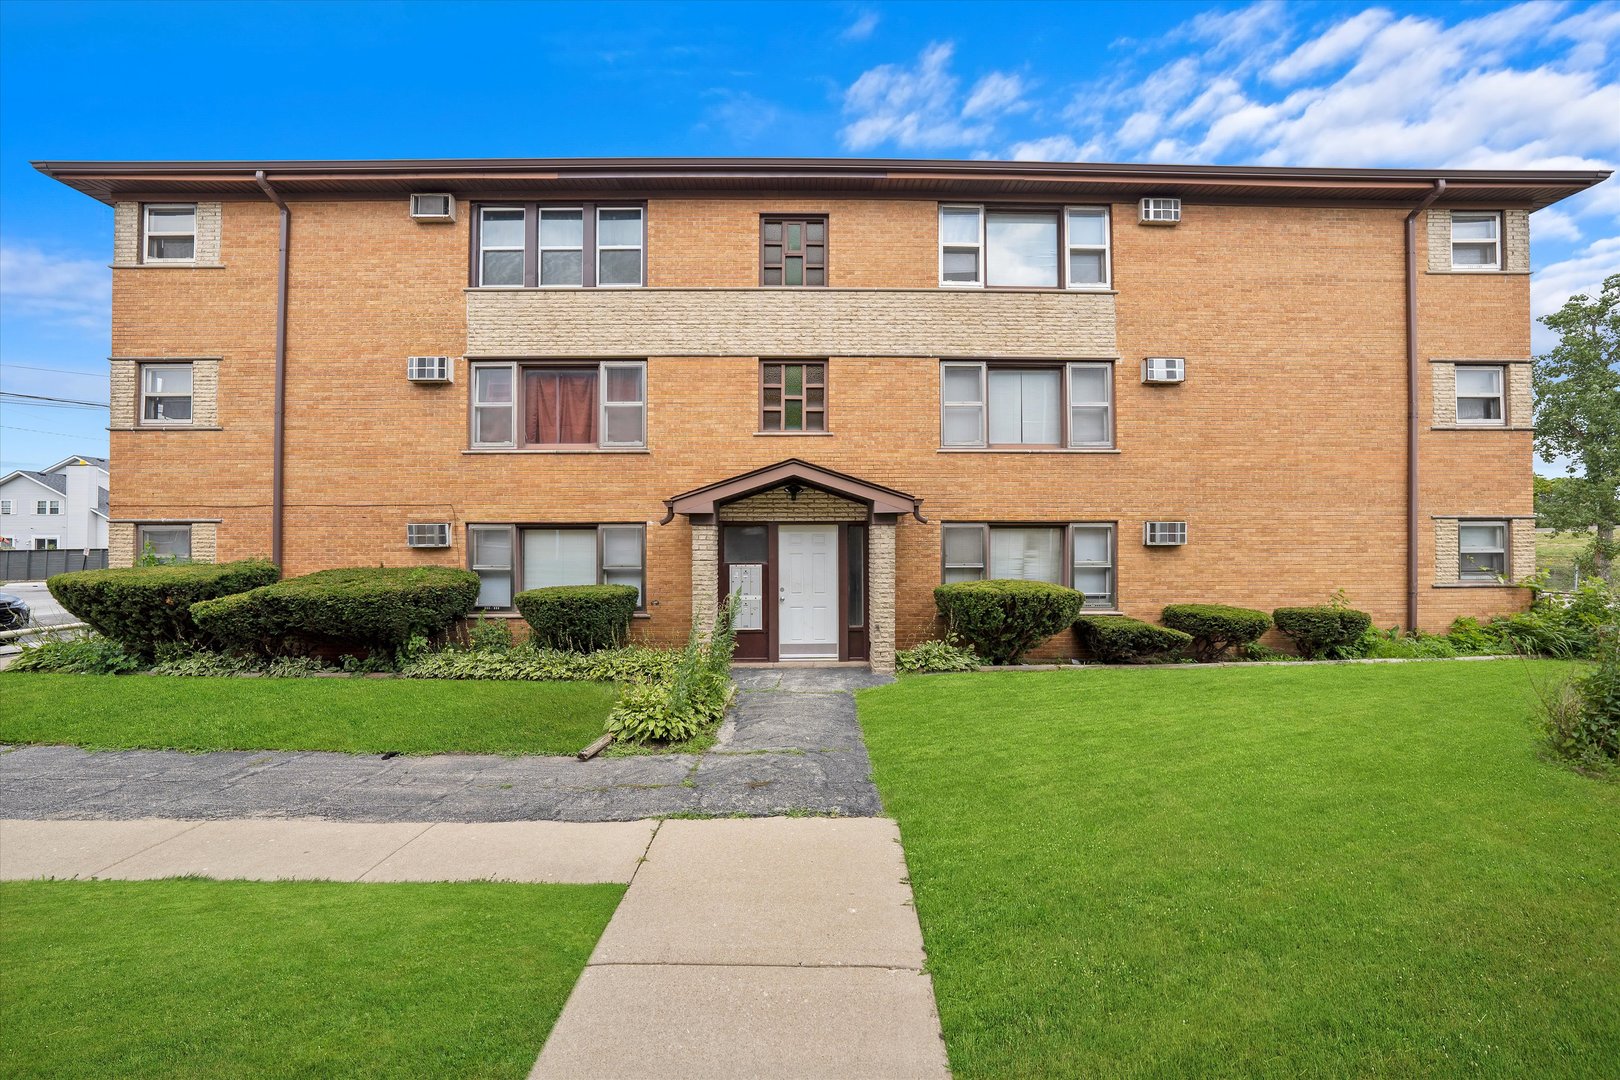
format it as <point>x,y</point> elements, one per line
<point>560,406</point>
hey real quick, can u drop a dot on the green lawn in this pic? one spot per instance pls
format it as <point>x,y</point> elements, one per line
<point>409,716</point>
<point>1361,870</point>
<point>287,979</point>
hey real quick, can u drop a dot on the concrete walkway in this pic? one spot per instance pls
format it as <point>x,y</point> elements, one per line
<point>784,948</point>
<point>789,745</point>
<point>778,947</point>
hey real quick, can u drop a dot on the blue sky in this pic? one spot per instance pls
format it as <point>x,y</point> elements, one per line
<point>1457,85</point>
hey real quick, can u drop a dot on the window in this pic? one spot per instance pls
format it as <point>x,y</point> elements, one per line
<point>793,397</point>
<point>5,506</point>
<point>166,393</point>
<point>1482,550</point>
<point>48,507</point>
<point>1476,241</point>
<point>793,251</point>
<point>1052,406</point>
<point>171,232</point>
<point>562,405</point>
<point>509,559</point>
<point>168,543</point>
<point>578,246</point>
<point>1479,394</point>
<point>1080,556</point>
<point>500,245</point>
<point>1024,247</point>
<point>45,543</point>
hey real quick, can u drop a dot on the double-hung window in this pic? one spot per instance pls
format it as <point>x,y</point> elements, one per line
<point>1482,550</point>
<point>1019,247</point>
<point>1080,556</point>
<point>1479,394</point>
<point>5,506</point>
<point>509,559</point>
<point>48,507</point>
<point>1050,406</point>
<point>165,394</point>
<point>167,543</point>
<point>561,405</point>
<point>1476,241</point>
<point>171,232</point>
<point>584,245</point>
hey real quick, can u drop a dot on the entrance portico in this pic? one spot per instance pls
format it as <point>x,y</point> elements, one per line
<point>810,555</point>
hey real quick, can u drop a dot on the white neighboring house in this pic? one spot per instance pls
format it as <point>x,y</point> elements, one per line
<point>64,506</point>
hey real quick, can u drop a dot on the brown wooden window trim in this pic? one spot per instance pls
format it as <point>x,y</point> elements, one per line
<point>802,398</point>
<point>518,405</point>
<point>1066,555</point>
<point>590,254</point>
<point>515,532</point>
<point>1065,411</point>
<point>1065,245</point>
<point>778,267</point>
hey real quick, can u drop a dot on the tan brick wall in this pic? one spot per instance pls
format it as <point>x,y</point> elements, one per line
<point>705,574</point>
<point>1443,379</point>
<point>1515,241</point>
<point>204,542</point>
<point>1284,450</point>
<point>127,235</point>
<point>1447,565</point>
<point>778,505</point>
<point>1522,548</point>
<point>120,544</point>
<point>788,322</point>
<point>880,573</point>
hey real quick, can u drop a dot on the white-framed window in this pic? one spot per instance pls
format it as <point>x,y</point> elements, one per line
<point>1086,237</point>
<point>1482,550</point>
<point>5,506</point>
<point>562,246</point>
<point>168,543</point>
<point>1476,240</point>
<point>1024,247</point>
<point>620,239</point>
<point>1026,405</point>
<point>46,543</point>
<point>165,394</point>
<point>48,507</point>
<point>171,232</point>
<point>1479,394</point>
<point>1079,555</point>
<point>536,406</point>
<point>500,245</point>
<point>513,558</point>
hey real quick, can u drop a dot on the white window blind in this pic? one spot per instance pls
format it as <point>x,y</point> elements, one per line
<point>558,557</point>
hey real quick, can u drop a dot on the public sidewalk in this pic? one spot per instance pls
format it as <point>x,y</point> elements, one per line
<point>780,947</point>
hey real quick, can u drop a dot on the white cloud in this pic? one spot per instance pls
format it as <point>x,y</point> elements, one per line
<point>1551,224</point>
<point>1581,273</point>
<point>1332,47</point>
<point>54,289</point>
<point>1052,148</point>
<point>861,29</point>
<point>917,107</point>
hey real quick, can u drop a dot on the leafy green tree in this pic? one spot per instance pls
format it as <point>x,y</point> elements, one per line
<point>1577,390</point>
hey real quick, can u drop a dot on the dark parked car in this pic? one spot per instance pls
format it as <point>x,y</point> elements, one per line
<point>13,612</point>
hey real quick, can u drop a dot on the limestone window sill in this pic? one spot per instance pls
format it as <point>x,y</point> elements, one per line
<point>169,427</point>
<point>1480,273</point>
<point>537,450</point>
<point>1041,450</point>
<point>1481,427</point>
<point>166,266</point>
<point>792,434</point>
<point>1475,585</point>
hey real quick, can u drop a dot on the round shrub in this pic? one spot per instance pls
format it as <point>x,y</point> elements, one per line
<point>1002,620</point>
<point>370,608</point>
<point>1318,631</point>
<point>142,607</point>
<point>1215,628</point>
<point>1115,639</point>
<point>579,618</point>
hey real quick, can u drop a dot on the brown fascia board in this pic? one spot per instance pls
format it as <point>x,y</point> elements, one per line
<point>101,179</point>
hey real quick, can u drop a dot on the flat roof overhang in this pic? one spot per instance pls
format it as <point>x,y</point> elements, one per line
<point>110,181</point>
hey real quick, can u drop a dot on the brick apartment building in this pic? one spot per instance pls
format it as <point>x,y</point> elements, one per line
<point>830,385</point>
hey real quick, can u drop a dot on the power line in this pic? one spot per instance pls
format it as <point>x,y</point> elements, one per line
<point>54,370</point>
<point>59,402</point>
<point>40,431</point>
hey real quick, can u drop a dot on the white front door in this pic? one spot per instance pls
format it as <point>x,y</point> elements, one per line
<point>807,558</point>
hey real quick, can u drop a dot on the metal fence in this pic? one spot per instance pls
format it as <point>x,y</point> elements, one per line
<point>39,565</point>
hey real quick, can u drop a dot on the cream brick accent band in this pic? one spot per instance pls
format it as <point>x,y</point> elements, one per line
<point>880,604</point>
<point>1444,378</point>
<point>777,505</point>
<point>125,391</point>
<point>1515,241</point>
<point>1521,549</point>
<point>788,322</point>
<point>1521,411</point>
<point>205,542</point>
<point>127,235</point>
<point>120,544</point>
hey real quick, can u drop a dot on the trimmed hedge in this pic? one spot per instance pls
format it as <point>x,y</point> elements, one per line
<point>1316,631</point>
<point>142,607</point>
<point>370,607</point>
<point>579,618</point>
<point>1002,620</point>
<point>1215,628</point>
<point>1115,639</point>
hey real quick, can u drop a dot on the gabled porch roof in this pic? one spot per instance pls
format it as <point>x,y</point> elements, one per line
<point>702,502</point>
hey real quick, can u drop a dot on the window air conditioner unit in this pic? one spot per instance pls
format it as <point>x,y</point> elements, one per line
<point>1160,211</point>
<point>433,207</point>
<point>1164,533</point>
<point>1164,369</point>
<point>428,368</point>
<point>428,535</point>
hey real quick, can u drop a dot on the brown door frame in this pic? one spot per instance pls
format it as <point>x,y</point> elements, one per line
<point>771,583</point>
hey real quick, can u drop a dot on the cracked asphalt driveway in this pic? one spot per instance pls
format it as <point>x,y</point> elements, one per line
<point>789,745</point>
